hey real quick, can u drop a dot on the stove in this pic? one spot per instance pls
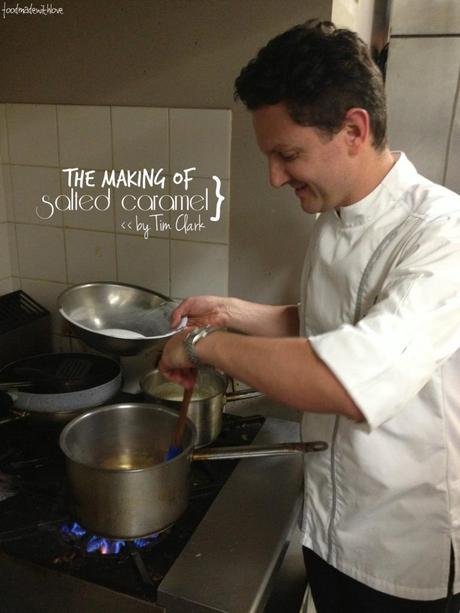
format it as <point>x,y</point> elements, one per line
<point>48,561</point>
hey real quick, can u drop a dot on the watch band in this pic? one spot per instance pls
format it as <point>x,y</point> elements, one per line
<point>192,338</point>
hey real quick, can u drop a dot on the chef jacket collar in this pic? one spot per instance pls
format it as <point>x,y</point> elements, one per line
<point>396,182</point>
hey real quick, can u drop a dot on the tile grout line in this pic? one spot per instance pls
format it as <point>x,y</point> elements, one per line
<point>229,172</point>
<point>42,280</point>
<point>13,207</point>
<point>64,236</point>
<point>125,233</point>
<point>455,104</point>
<point>167,175</point>
<point>114,218</point>
<point>7,139</point>
<point>169,216</point>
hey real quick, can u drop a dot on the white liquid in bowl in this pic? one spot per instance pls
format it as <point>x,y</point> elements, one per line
<point>120,333</point>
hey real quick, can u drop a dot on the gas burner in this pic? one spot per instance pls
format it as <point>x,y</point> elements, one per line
<point>93,545</point>
<point>41,543</point>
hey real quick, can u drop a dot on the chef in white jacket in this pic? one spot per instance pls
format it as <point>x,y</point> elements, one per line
<point>371,353</point>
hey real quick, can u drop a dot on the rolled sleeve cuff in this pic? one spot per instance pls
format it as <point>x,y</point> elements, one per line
<point>380,375</point>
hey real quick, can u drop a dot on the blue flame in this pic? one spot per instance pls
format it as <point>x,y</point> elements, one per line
<point>104,546</point>
<point>141,543</point>
<point>100,544</point>
<point>75,529</point>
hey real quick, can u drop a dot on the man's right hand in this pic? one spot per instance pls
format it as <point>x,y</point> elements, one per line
<point>203,311</point>
<point>238,315</point>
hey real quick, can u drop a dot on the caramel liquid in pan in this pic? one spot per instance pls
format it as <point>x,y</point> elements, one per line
<point>125,460</point>
<point>174,392</point>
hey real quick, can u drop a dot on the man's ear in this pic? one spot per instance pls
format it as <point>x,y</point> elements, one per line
<point>356,129</point>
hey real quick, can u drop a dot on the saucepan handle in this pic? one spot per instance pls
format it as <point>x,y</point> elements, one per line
<point>255,451</point>
<point>242,395</point>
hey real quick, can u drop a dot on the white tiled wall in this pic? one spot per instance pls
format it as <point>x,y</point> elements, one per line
<point>6,280</point>
<point>44,254</point>
<point>5,266</point>
<point>32,134</point>
<point>3,210</point>
<point>198,268</point>
<point>3,138</point>
<point>196,140</point>
<point>140,134</point>
<point>136,265</point>
<point>28,184</point>
<point>41,252</point>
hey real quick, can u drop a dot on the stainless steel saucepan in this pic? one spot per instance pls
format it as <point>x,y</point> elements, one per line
<point>121,483</point>
<point>207,403</point>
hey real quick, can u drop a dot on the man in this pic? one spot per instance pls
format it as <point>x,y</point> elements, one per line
<point>371,355</point>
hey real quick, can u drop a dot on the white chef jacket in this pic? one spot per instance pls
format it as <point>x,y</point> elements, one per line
<point>381,307</point>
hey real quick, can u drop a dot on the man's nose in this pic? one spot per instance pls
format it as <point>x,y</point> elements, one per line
<point>277,173</point>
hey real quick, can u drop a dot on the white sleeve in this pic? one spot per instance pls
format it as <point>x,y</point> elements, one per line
<point>392,352</point>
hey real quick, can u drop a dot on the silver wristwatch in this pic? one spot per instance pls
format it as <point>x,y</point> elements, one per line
<point>192,338</point>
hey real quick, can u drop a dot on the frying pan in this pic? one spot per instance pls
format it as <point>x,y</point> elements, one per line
<point>62,385</point>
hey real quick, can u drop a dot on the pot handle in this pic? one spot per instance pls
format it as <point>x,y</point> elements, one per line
<point>242,395</point>
<point>257,451</point>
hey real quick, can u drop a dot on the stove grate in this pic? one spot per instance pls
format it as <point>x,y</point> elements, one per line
<point>18,308</point>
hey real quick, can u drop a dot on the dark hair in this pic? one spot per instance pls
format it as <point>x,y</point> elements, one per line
<point>319,72</point>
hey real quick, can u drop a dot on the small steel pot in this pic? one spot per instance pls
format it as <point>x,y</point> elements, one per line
<point>207,403</point>
<point>122,485</point>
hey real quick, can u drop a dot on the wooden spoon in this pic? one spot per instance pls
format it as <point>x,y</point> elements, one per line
<point>176,444</point>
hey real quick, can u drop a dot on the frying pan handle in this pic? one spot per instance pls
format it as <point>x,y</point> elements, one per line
<point>12,385</point>
<point>257,451</point>
<point>7,408</point>
<point>14,417</point>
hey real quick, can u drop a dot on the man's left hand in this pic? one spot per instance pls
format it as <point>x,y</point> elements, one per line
<point>174,364</point>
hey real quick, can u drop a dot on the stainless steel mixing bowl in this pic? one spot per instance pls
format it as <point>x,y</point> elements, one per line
<point>118,318</point>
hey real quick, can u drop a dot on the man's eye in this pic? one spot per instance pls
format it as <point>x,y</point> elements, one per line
<point>288,157</point>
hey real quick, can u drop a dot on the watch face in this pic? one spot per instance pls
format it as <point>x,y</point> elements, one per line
<point>189,342</point>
